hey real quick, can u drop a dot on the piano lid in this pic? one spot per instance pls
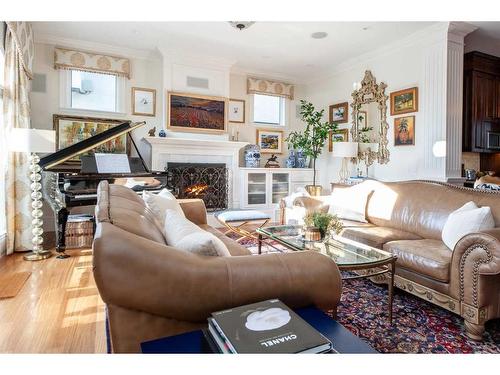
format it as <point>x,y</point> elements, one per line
<point>81,147</point>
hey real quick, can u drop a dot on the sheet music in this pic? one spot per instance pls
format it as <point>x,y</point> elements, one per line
<point>112,163</point>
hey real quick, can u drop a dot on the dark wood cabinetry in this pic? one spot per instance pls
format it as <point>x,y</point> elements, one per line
<point>481,112</point>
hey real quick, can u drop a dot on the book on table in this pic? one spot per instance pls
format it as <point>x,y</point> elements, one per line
<point>264,327</point>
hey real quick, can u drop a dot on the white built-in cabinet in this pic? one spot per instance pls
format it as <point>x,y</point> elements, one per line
<point>263,188</point>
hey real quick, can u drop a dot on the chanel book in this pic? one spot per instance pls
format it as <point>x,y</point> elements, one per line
<point>265,327</point>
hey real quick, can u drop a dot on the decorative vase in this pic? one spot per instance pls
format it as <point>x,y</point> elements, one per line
<point>162,133</point>
<point>252,156</point>
<point>301,159</point>
<point>312,234</point>
<point>290,161</point>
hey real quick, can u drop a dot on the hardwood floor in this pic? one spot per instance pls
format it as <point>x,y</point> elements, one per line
<point>58,310</point>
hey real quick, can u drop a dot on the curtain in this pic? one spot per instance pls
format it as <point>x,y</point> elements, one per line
<point>19,51</point>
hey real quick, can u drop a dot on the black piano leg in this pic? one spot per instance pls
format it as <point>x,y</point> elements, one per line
<point>61,219</point>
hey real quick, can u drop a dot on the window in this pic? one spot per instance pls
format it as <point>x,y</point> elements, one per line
<point>269,109</point>
<point>92,91</point>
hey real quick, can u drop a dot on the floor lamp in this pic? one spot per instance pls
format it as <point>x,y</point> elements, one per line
<point>33,141</point>
<point>344,150</point>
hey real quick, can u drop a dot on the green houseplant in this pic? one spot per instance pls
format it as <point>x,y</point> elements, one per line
<point>312,139</point>
<point>325,222</point>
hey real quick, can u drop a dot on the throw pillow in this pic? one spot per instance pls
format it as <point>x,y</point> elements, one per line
<point>467,219</point>
<point>349,203</point>
<point>187,236</point>
<point>159,203</point>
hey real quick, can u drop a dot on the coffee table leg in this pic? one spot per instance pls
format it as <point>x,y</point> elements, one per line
<point>391,289</point>
<point>259,242</point>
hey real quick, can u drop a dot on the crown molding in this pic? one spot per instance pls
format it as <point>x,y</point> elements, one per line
<point>59,41</point>
<point>432,34</point>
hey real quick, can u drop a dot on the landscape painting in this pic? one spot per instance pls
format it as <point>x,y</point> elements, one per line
<point>404,101</point>
<point>338,112</point>
<point>74,129</point>
<point>196,113</point>
<point>270,141</point>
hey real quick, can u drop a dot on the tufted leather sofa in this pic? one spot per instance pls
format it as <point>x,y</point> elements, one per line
<point>153,290</point>
<point>407,218</point>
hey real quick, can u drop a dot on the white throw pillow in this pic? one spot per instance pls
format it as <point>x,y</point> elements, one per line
<point>301,192</point>
<point>159,203</point>
<point>467,219</point>
<point>185,235</point>
<point>349,203</point>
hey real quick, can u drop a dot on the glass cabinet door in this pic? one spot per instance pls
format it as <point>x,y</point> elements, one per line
<point>280,186</point>
<point>256,188</point>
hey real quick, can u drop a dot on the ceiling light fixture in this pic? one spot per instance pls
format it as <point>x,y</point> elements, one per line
<point>241,25</point>
<point>319,35</point>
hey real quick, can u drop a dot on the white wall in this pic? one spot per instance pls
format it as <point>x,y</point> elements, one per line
<point>419,60</point>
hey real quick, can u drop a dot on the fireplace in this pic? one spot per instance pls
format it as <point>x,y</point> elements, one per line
<point>207,181</point>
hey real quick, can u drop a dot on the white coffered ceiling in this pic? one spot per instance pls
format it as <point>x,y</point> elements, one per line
<point>275,48</point>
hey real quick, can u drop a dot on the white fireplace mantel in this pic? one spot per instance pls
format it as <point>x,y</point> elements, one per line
<point>183,150</point>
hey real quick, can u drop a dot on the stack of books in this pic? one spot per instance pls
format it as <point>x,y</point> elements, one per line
<point>263,327</point>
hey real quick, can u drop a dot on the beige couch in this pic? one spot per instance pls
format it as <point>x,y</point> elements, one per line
<point>153,290</point>
<point>406,219</point>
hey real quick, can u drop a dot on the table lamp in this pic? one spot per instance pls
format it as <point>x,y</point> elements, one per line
<point>33,141</point>
<point>344,150</point>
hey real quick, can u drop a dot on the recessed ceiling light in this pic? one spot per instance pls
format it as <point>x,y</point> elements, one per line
<point>241,25</point>
<point>319,35</point>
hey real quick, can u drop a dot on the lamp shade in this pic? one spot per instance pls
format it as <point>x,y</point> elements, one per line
<point>345,149</point>
<point>31,140</point>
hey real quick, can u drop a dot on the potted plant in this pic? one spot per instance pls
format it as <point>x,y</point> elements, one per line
<point>312,139</point>
<point>320,225</point>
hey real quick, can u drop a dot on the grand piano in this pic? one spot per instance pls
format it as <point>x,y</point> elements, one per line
<point>67,185</point>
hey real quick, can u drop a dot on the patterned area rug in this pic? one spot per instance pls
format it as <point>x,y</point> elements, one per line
<point>418,326</point>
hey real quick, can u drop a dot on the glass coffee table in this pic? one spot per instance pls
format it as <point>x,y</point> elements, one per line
<point>349,255</point>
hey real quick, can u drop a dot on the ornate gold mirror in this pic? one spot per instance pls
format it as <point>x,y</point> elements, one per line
<point>369,120</point>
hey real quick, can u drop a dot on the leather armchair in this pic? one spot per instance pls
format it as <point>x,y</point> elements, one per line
<point>153,290</point>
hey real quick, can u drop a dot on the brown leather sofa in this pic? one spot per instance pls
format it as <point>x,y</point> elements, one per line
<point>153,290</point>
<point>407,218</point>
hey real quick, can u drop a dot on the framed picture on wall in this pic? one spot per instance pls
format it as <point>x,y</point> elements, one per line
<point>340,135</point>
<point>236,111</point>
<point>74,129</point>
<point>404,101</point>
<point>270,141</point>
<point>338,113</point>
<point>196,113</point>
<point>404,131</point>
<point>143,101</point>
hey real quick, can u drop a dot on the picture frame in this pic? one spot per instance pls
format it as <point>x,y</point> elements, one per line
<point>73,129</point>
<point>404,101</point>
<point>341,135</point>
<point>143,101</point>
<point>362,119</point>
<point>236,111</point>
<point>404,131</point>
<point>196,113</point>
<point>338,113</point>
<point>270,141</point>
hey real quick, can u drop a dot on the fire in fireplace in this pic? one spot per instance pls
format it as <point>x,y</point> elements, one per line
<point>207,181</point>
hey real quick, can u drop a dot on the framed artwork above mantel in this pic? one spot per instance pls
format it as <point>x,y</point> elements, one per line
<point>196,113</point>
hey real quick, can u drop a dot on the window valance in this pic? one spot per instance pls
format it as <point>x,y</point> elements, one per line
<point>91,62</point>
<point>267,87</point>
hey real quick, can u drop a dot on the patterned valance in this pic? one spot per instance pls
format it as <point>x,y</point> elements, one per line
<point>267,87</point>
<point>91,62</point>
<point>22,33</point>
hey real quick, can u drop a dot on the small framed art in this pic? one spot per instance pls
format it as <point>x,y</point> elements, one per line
<point>338,112</point>
<point>236,111</point>
<point>270,141</point>
<point>404,101</point>
<point>340,135</point>
<point>404,131</point>
<point>143,101</point>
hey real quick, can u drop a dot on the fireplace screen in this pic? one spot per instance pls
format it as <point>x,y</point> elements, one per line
<point>196,180</point>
